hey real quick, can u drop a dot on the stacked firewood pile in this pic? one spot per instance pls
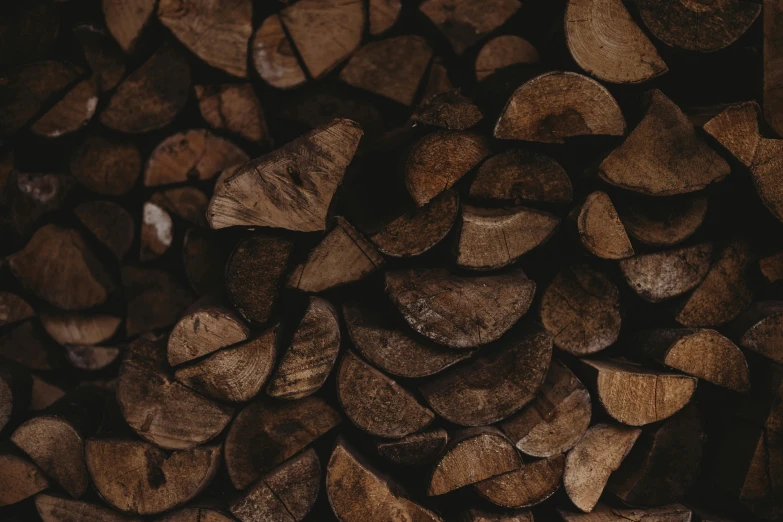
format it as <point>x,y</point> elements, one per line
<point>379,260</point>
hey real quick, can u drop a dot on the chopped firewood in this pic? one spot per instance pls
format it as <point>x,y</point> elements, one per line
<point>555,419</point>
<point>160,409</point>
<point>71,113</point>
<point>105,165</point>
<point>292,187</point>
<point>504,51</point>
<point>392,68</point>
<point>28,31</point>
<point>324,32</point>
<point>343,256</point>
<point>521,175</point>
<point>15,392</point>
<point>663,221</point>
<point>474,454</point>
<point>773,57</point>
<point>663,155</point>
<point>308,360</point>
<point>466,23</point>
<point>14,309</point>
<point>437,80</point>
<point>724,292</point>
<point>482,515</point>
<point>600,229</point>
<point>460,311</point>
<point>26,343</point>
<point>44,394</point>
<point>20,479</point>
<point>204,261</point>
<point>267,432</point>
<point>358,493</point>
<point>604,513</point>
<point>559,105</point>
<point>104,56</point>
<point>383,15</point>
<point>157,232</point>
<point>53,508</point>
<point>79,327</point>
<point>197,514</point>
<point>111,224</point>
<point>415,449</point>
<point>581,309</point>
<point>605,41</point>
<point>92,358</point>
<point>439,160</point>
<point>656,395</point>
<point>206,327</point>
<point>235,108</point>
<point>698,27</point>
<point>234,374</point>
<point>137,477</point>
<point>527,486</point>
<point>154,299</point>
<point>189,203</point>
<point>31,197</point>
<point>448,110</point>
<point>593,459</point>
<point>152,95</point>
<point>760,327</point>
<point>662,275</point>
<point>273,56</point>
<point>126,19</point>
<point>288,492</point>
<point>664,462</point>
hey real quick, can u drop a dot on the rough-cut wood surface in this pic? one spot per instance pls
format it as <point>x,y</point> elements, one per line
<point>662,275</point>
<point>448,110</point>
<point>106,165</point>
<point>35,196</point>
<point>15,393</point>
<point>415,449</point>
<point>482,515</point>
<point>189,203</point>
<point>196,514</point>
<point>79,327</point>
<point>53,508</point>
<point>383,14</point>
<point>92,358</point>
<point>273,55</point>
<point>71,113</point>
<point>21,479</point>
<point>531,484</point>
<point>522,175</point>
<point>760,329</point>
<point>126,19</point>
<point>605,513</point>
<point>601,230</point>
<point>663,222</point>
<point>504,51</point>
<point>466,23</point>
<point>234,108</point>
<point>203,330</point>
<point>14,309</point>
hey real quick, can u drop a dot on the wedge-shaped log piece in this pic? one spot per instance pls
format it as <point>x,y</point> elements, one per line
<point>126,19</point>
<point>760,329</point>
<point>702,353</point>
<point>482,515</point>
<point>415,449</point>
<point>273,55</point>
<point>267,432</point>
<point>104,56</point>
<point>636,396</point>
<point>581,309</point>
<point>606,42</point>
<point>555,419</point>
<point>497,383</point>
<point>60,509</point>
<point>196,514</point>
<point>139,478</point>
<point>491,238</point>
<point>308,360</point>
<point>593,459</point>
<point>14,309</point>
<point>20,479</point>
<point>350,482</point>
<point>111,224</point>
<point>437,80</point>
<point>448,110</point>
<point>204,329</point>
<point>460,312</point>
<point>527,486</point>
<point>71,113</point>
<point>663,221</point>
<point>383,15</point>
<point>660,276</point>
<point>292,187</point>
<point>154,298</point>
<point>106,165</point>
<point>287,493</point>
<point>234,108</point>
<point>604,513</point>
<point>601,230</point>
<point>504,51</point>
<point>559,105</point>
<point>160,409</point>
<point>663,155</point>
<point>44,394</point>
<point>439,160</point>
<point>521,175</point>
<point>92,358</point>
<point>474,455</point>
<point>466,23</point>
<point>376,403</point>
<point>15,392</point>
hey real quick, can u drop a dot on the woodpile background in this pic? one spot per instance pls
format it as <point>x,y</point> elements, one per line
<point>389,260</point>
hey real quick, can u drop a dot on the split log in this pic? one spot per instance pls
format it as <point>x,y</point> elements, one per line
<point>71,113</point>
<point>415,449</point>
<point>456,311</point>
<point>702,353</point>
<point>234,108</point>
<point>234,374</point>
<point>20,479</point>
<point>581,310</point>
<point>504,51</point>
<point>126,19</point>
<point>160,409</point>
<point>105,57</point>
<point>189,203</point>
<point>273,55</point>
<point>205,328</point>
<point>254,273</point>
<point>105,165</point>
<point>286,493</point>
<point>27,344</point>
<point>267,432</point>
<point>44,394</point>
<point>660,276</point>
<point>555,419</point>
<point>383,15</point>
<point>605,41</point>
<point>481,515</point>
<point>527,486</point>
<point>466,23</point>
<point>343,256</point>
<point>33,196</point>
<point>111,224</point>
<point>292,187</point>
<point>496,237</point>
<point>773,57</point>
<point>308,360</point>
<point>196,514</point>
<point>150,97</point>
<point>350,482</point>
<point>15,392</point>
<point>656,395</point>
<point>600,229</point>
<point>154,299</point>
<point>60,509</point>
<point>663,155</point>
<point>324,33</point>
<point>217,33</point>
<point>14,309</point>
<point>593,459</point>
<point>92,358</point>
<point>204,261</point>
<point>439,160</point>
<point>157,232</point>
<point>79,327</point>
<point>139,478</point>
<point>703,28</point>
<point>760,329</point>
<point>449,110</point>
<point>437,79</point>
<point>724,292</point>
<point>392,68</point>
<point>559,105</point>
<point>663,222</point>
<point>521,175</point>
<point>604,513</point>
<point>496,383</point>
<point>475,454</point>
